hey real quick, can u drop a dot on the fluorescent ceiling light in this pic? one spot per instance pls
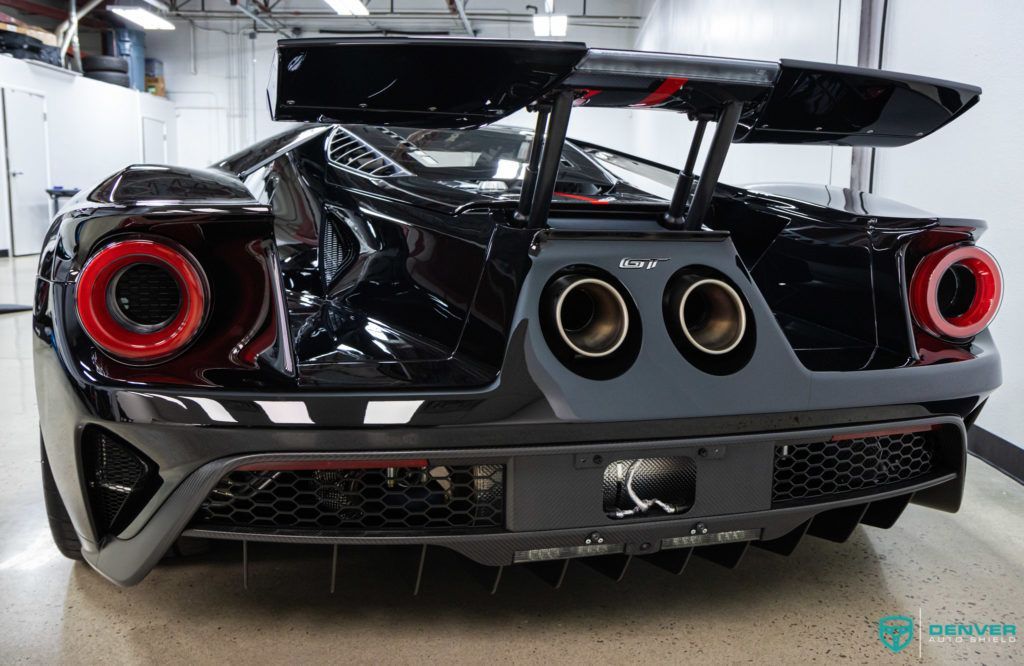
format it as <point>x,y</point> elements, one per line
<point>554,25</point>
<point>509,170</point>
<point>541,25</point>
<point>142,17</point>
<point>348,7</point>
<point>559,25</point>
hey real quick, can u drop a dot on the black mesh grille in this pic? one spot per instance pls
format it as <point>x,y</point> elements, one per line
<point>338,249</point>
<point>147,295</point>
<point>670,480</point>
<point>397,498</point>
<point>120,481</point>
<point>805,471</point>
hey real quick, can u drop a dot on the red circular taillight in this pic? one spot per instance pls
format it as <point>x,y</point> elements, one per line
<point>955,292</point>
<point>141,300</point>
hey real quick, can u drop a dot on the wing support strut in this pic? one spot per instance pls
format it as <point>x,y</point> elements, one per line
<point>539,185</point>
<point>725,129</point>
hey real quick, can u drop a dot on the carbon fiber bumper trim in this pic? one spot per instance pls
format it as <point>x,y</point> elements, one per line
<point>555,499</point>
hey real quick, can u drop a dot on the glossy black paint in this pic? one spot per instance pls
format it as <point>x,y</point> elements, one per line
<point>217,221</point>
<point>411,82</point>
<point>852,106</point>
<point>428,301</point>
<point>438,306</point>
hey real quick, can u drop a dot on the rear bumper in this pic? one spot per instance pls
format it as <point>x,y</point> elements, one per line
<point>553,500</point>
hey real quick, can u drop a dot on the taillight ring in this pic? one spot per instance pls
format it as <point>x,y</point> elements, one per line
<point>107,326</point>
<point>984,302</point>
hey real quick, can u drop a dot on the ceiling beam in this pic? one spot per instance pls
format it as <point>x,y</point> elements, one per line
<point>279,28</point>
<point>36,9</point>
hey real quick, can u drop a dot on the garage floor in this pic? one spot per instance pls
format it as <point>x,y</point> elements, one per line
<point>821,604</point>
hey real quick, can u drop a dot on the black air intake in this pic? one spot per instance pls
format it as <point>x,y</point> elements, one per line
<point>120,480</point>
<point>372,498</point>
<point>815,470</point>
<point>339,247</point>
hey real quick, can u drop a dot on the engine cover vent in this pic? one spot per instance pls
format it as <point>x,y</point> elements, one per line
<point>346,151</point>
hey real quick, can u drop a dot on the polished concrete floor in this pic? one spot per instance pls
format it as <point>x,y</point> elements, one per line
<point>820,605</point>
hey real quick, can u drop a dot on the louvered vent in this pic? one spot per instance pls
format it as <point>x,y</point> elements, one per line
<point>346,151</point>
<point>338,248</point>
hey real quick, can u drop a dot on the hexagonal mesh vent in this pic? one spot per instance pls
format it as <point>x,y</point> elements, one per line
<point>805,471</point>
<point>394,498</point>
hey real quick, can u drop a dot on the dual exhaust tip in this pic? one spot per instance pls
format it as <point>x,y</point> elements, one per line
<point>591,316</point>
<point>594,317</point>
<point>710,313</point>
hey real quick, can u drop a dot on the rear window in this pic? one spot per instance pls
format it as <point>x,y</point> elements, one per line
<point>492,160</point>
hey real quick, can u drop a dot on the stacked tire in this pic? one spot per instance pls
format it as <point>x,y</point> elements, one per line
<point>109,69</point>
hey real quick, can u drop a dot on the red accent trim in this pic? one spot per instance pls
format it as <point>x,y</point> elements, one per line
<point>924,291</point>
<point>931,350</point>
<point>112,336</point>
<point>580,197</point>
<point>308,465</point>
<point>663,92</point>
<point>585,97</point>
<point>881,433</point>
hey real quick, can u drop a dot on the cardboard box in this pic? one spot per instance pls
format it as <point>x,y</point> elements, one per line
<point>47,38</point>
<point>156,86</point>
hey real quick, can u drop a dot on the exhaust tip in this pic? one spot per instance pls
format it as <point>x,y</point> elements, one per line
<point>712,316</point>
<point>591,316</point>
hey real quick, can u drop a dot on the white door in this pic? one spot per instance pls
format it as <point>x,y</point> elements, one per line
<point>154,141</point>
<point>27,172</point>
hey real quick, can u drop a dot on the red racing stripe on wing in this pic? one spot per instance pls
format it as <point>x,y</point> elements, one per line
<point>668,87</point>
<point>580,197</point>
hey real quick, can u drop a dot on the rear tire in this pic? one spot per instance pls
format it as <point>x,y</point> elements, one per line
<point>63,532</point>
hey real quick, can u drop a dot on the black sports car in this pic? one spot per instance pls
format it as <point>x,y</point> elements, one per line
<point>393,325</point>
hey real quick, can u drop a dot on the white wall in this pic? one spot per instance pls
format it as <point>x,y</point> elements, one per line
<point>753,29</point>
<point>94,128</point>
<point>219,84</point>
<point>973,167</point>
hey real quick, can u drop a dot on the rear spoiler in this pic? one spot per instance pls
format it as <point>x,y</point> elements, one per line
<point>459,83</point>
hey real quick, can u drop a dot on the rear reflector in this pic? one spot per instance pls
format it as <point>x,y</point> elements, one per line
<point>710,539</point>
<point>141,300</point>
<point>566,552</point>
<point>955,292</point>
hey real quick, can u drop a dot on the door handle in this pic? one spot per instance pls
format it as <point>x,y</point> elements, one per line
<point>17,173</point>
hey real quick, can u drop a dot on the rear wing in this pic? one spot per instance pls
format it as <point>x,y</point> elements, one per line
<point>461,83</point>
<point>458,83</point>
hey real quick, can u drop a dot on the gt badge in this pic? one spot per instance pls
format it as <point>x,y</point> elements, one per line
<point>642,264</point>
